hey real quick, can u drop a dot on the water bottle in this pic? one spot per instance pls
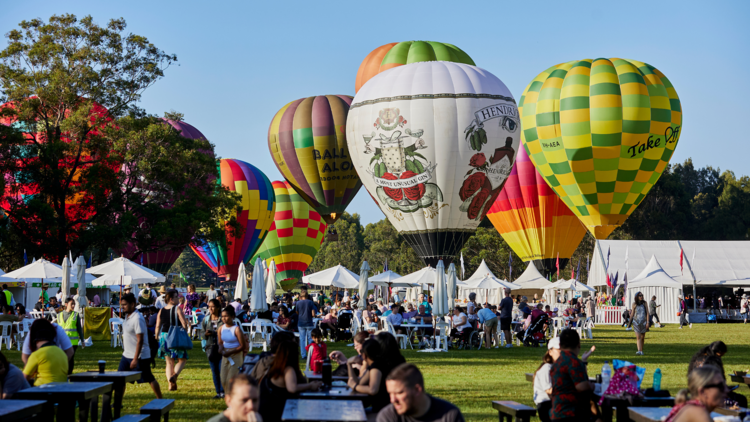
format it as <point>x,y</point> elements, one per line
<point>606,376</point>
<point>657,380</point>
<point>327,378</point>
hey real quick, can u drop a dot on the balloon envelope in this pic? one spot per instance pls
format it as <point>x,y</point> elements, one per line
<point>601,132</point>
<point>400,53</point>
<point>307,140</point>
<point>533,220</point>
<point>434,143</point>
<point>256,216</point>
<point>294,237</point>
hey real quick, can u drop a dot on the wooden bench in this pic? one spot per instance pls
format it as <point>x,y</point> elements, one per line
<point>513,411</point>
<point>740,412</point>
<point>133,418</point>
<point>155,409</point>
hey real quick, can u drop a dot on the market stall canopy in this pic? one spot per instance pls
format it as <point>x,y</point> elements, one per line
<point>37,269</point>
<point>482,271</point>
<point>122,267</point>
<point>532,279</point>
<point>387,279</point>
<point>338,276</point>
<point>654,275</point>
<point>654,281</point>
<point>571,284</point>
<point>713,262</point>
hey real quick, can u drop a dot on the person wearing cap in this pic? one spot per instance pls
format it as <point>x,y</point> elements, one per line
<point>744,307</point>
<point>543,382</point>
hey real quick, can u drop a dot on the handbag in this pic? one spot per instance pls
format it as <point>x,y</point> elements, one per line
<point>177,337</point>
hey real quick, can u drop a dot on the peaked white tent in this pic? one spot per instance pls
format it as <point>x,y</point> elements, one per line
<point>388,279</point>
<point>426,275</point>
<point>654,281</point>
<point>550,291</point>
<point>532,279</point>
<point>338,276</point>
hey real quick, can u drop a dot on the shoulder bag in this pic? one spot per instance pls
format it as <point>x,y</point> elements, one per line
<point>177,337</point>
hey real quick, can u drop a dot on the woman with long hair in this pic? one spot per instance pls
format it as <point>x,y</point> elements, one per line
<point>639,321</point>
<point>372,380</point>
<point>543,381</point>
<point>211,325</point>
<point>283,380</point>
<point>707,392</point>
<point>390,351</point>
<point>232,346</point>
<point>170,315</point>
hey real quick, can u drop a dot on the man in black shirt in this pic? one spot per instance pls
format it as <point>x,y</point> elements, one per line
<point>506,317</point>
<point>410,402</point>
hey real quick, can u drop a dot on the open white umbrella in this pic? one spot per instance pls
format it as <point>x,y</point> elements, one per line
<point>37,269</point>
<point>81,299</point>
<point>65,285</point>
<point>258,295</point>
<point>240,289</point>
<point>363,273</point>
<point>122,271</point>
<point>451,285</point>
<point>271,283</point>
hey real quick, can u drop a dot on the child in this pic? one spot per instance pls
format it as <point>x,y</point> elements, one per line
<point>626,319</point>
<point>329,323</point>
<point>318,351</point>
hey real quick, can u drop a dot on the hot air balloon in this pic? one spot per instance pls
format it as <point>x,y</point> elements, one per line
<point>601,132</point>
<point>434,143</point>
<point>161,260</point>
<point>307,140</point>
<point>256,217</point>
<point>533,220</point>
<point>294,237</point>
<point>400,53</point>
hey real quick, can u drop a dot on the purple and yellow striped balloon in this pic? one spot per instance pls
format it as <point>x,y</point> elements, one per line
<point>307,140</point>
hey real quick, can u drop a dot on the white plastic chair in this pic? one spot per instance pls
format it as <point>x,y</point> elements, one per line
<point>36,314</point>
<point>401,338</point>
<point>115,325</point>
<point>308,372</point>
<point>259,337</point>
<point>6,334</point>
<point>442,335</point>
<point>585,331</point>
<point>558,324</point>
<point>23,331</point>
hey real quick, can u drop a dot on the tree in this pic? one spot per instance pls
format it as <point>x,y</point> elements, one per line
<point>382,242</point>
<point>194,269</point>
<point>79,145</point>
<point>347,250</point>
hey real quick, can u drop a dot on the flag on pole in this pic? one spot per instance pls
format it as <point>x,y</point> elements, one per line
<point>557,264</point>
<point>25,258</point>
<point>90,257</point>
<point>572,272</point>
<point>681,254</point>
<point>111,257</point>
<point>385,266</point>
<point>510,265</point>
<point>141,259</point>
<point>462,265</point>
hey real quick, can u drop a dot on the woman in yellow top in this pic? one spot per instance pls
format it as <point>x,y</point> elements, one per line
<point>48,363</point>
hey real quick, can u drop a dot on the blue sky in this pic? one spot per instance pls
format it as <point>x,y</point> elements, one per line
<point>239,62</point>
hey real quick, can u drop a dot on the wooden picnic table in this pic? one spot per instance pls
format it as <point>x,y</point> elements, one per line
<point>619,407</point>
<point>119,379</point>
<point>652,414</point>
<point>530,378</point>
<point>740,379</point>
<point>335,393</point>
<point>412,326</point>
<point>18,410</point>
<point>319,377</point>
<point>67,394</point>
<point>324,411</point>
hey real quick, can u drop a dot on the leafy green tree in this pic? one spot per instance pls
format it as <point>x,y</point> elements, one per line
<point>92,169</point>
<point>194,269</point>
<point>382,242</point>
<point>347,250</point>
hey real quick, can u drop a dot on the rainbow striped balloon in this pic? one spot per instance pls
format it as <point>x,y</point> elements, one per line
<point>534,221</point>
<point>294,237</point>
<point>256,217</point>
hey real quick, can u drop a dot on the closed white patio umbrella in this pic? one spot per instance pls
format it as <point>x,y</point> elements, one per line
<point>81,298</point>
<point>65,285</point>
<point>451,285</point>
<point>240,289</point>
<point>271,283</point>
<point>363,274</point>
<point>258,294</point>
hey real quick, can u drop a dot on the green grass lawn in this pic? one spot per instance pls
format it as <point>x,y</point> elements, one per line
<point>470,379</point>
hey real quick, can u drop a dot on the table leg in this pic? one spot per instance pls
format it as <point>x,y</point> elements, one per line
<point>94,409</point>
<point>119,393</point>
<point>83,410</point>
<point>66,412</point>
<point>107,407</point>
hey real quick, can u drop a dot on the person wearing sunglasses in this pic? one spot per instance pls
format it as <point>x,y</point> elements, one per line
<point>707,392</point>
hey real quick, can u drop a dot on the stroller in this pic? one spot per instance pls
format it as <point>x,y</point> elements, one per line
<point>535,334</point>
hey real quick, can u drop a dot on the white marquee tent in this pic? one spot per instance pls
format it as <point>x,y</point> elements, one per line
<point>714,263</point>
<point>654,281</point>
<point>484,283</point>
<point>532,279</point>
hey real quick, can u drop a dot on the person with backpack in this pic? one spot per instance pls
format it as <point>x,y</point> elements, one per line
<point>146,297</point>
<point>211,325</point>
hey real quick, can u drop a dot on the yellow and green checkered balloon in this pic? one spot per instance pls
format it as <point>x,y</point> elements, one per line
<point>601,132</point>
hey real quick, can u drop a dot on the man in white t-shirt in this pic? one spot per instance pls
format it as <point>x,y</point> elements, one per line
<point>136,353</point>
<point>61,340</point>
<point>211,293</point>
<point>160,300</point>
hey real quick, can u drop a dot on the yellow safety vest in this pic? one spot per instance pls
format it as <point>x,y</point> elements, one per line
<point>8,296</point>
<point>70,327</point>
